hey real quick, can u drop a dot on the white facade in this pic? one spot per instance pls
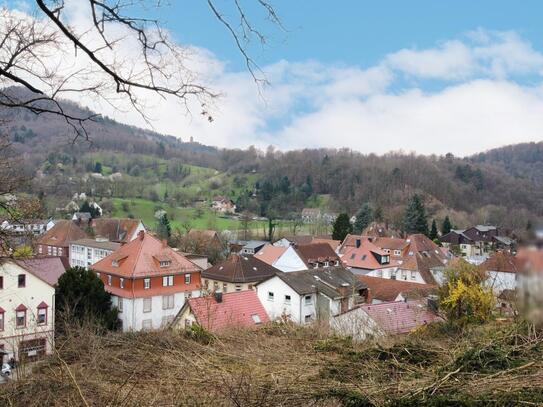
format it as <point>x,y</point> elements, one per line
<point>36,227</point>
<point>500,281</point>
<point>283,242</point>
<point>289,261</point>
<point>357,324</point>
<point>84,256</point>
<point>27,313</point>
<point>148,313</point>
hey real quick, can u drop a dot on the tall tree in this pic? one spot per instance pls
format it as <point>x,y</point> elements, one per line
<point>363,218</point>
<point>342,227</point>
<point>80,297</point>
<point>415,219</point>
<point>164,230</point>
<point>446,225</point>
<point>433,231</point>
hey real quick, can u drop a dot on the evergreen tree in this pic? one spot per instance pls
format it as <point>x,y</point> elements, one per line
<point>164,230</point>
<point>446,226</point>
<point>378,214</point>
<point>85,207</point>
<point>342,227</point>
<point>80,297</point>
<point>415,220</point>
<point>433,231</point>
<point>98,167</point>
<point>363,218</point>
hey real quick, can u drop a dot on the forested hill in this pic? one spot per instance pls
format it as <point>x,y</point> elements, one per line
<point>501,186</point>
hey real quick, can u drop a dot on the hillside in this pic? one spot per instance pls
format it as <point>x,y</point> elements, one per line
<point>124,163</point>
<point>283,365</point>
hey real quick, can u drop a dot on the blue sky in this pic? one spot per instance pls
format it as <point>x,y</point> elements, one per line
<point>425,76</point>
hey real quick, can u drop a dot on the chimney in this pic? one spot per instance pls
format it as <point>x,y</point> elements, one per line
<point>218,297</point>
<point>141,234</point>
<point>358,243</point>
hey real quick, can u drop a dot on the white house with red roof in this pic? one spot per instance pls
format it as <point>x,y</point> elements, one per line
<point>370,321</point>
<point>222,311</point>
<point>149,282</point>
<point>27,307</point>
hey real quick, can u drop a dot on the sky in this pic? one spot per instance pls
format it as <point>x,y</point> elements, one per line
<point>430,77</point>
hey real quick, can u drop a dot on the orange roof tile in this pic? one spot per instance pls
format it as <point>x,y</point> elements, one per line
<point>270,253</point>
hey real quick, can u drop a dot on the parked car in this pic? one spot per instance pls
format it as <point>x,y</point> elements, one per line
<point>6,369</point>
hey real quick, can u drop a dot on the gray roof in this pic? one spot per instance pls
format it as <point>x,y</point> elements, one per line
<point>505,240</point>
<point>254,244</point>
<point>328,281</point>
<point>485,228</point>
<point>98,244</point>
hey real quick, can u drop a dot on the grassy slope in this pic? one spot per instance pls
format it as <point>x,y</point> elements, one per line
<point>286,365</point>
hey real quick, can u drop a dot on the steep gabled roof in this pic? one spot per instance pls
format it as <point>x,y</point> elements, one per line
<point>62,234</point>
<point>384,289</point>
<point>239,268</point>
<point>334,282</point>
<point>316,253</point>
<point>48,269</point>
<point>400,317</point>
<point>270,253</point>
<point>141,258</point>
<point>363,257</point>
<point>236,309</point>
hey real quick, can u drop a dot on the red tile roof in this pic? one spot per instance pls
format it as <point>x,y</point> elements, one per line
<point>141,258</point>
<point>317,253</point>
<point>503,262</point>
<point>400,317</point>
<point>237,309</point>
<point>384,289</point>
<point>270,253</point>
<point>62,234</point>
<point>363,257</point>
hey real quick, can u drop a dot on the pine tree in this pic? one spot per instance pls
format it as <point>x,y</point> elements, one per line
<point>98,167</point>
<point>164,229</point>
<point>342,227</point>
<point>433,231</point>
<point>446,226</point>
<point>363,218</point>
<point>415,220</point>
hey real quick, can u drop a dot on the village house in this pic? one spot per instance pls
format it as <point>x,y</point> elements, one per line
<point>223,205</point>
<point>298,240</point>
<point>149,282</point>
<point>372,321</point>
<point>296,258</point>
<point>368,259</point>
<point>387,290</point>
<point>27,306</point>
<point>480,240</point>
<point>503,271</point>
<point>252,246</point>
<point>33,226</point>
<point>56,241</point>
<point>219,312</point>
<point>86,252</point>
<point>237,273</point>
<point>310,295</point>
<point>200,240</point>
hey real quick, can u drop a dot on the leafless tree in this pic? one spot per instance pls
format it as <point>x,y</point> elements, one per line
<point>109,53</point>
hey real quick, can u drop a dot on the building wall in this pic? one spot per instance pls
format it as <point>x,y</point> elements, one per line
<point>53,251</point>
<point>85,256</point>
<point>499,281</point>
<point>212,285</point>
<point>134,318</point>
<point>289,261</point>
<point>356,324</point>
<point>11,296</point>
<point>297,310</point>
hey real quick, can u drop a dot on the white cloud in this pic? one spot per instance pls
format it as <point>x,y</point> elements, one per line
<point>478,103</point>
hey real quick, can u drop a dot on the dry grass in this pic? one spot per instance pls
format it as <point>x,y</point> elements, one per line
<point>287,365</point>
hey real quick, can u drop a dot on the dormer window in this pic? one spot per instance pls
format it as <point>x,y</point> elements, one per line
<point>114,263</point>
<point>165,263</point>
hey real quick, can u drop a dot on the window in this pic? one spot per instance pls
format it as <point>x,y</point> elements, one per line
<point>121,282</point>
<point>165,263</point>
<point>147,324</point>
<point>413,275</point>
<point>397,252</point>
<point>238,287</point>
<point>42,314</point>
<point>167,281</point>
<point>2,320</point>
<point>224,287</point>
<point>147,304</point>
<point>167,320</point>
<point>307,318</point>
<point>109,279</point>
<point>60,251</point>
<point>146,283</point>
<point>167,301</point>
<point>40,249</point>
<point>120,304</point>
<point>404,275</point>
<point>187,278</point>
<point>256,318</point>
<point>287,299</point>
<point>20,319</point>
<point>307,300</point>
<point>1,282</point>
<point>270,296</point>
<point>49,250</point>
<point>21,280</point>
<point>54,251</point>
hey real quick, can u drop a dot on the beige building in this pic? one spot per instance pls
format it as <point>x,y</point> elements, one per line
<point>27,307</point>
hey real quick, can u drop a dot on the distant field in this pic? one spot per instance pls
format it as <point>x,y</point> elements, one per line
<point>145,210</point>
